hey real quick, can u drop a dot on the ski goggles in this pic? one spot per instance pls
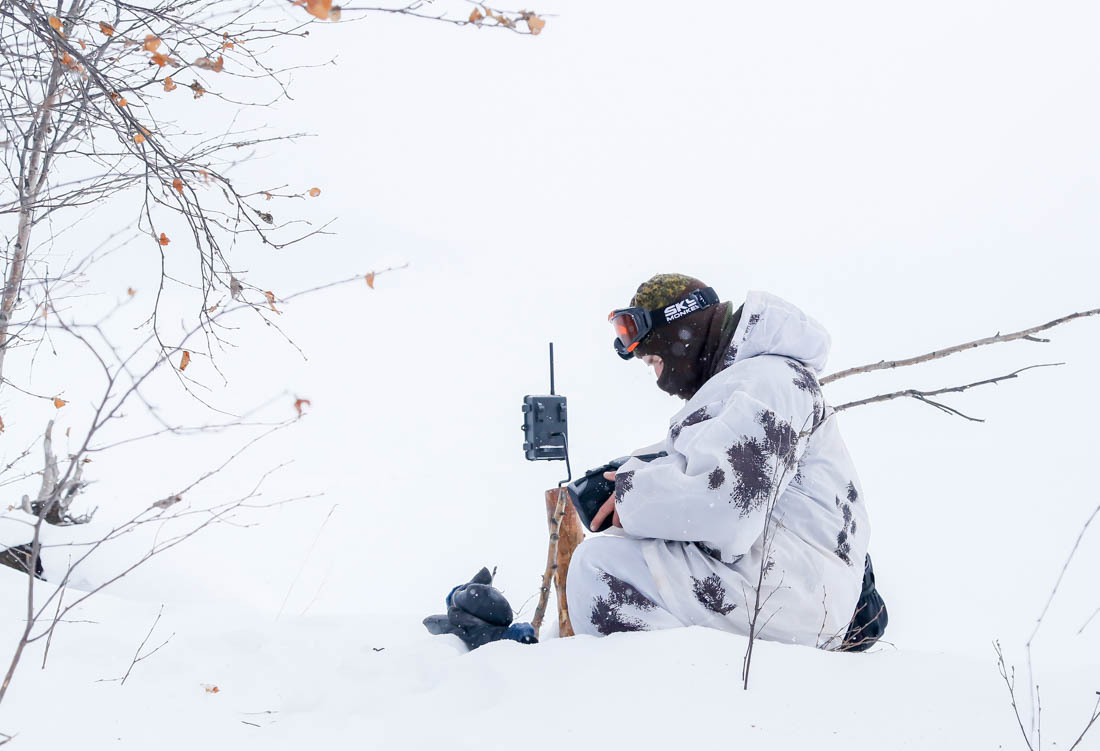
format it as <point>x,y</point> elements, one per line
<point>633,325</point>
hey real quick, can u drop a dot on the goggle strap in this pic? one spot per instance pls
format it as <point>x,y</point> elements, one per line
<point>697,300</point>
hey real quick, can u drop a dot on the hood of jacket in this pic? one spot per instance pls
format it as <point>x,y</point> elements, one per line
<point>770,325</point>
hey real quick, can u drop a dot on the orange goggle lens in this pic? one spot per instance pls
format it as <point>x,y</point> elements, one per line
<point>626,329</point>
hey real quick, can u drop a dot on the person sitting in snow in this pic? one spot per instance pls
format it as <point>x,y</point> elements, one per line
<point>755,490</point>
<point>748,512</point>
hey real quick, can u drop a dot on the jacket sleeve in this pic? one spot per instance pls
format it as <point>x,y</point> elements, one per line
<point>727,463</point>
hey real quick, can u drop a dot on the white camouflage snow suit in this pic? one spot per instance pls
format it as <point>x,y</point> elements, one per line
<point>696,526</point>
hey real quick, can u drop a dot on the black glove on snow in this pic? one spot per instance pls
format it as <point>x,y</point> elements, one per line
<point>477,613</point>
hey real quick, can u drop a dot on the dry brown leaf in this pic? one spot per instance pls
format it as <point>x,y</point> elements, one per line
<point>185,360</point>
<point>59,402</point>
<point>314,192</point>
<point>55,23</point>
<point>131,291</point>
<point>122,101</point>
<point>299,403</point>
<point>151,43</point>
<point>319,8</point>
<point>178,185</point>
<point>2,425</point>
<point>210,689</point>
<point>534,23</point>
<point>476,16</point>
<point>139,138</point>
<point>212,308</point>
<point>267,195</point>
<point>205,63</point>
<point>162,59</point>
<point>169,84</point>
<point>81,43</point>
<point>370,279</point>
<point>335,13</point>
<point>271,301</point>
<point>106,28</point>
<point>163,239</point>
<point>197,88</point>
<point>68,430</point>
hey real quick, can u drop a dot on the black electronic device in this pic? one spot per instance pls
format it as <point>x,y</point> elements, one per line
<point>545,424</point>
<point>590,492</point>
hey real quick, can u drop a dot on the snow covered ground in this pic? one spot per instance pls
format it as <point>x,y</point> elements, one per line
<point>912,177</point>
<point>371,681</point>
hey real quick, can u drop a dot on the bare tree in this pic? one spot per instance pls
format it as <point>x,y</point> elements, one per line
<point>87,112</point>
<point>106,106</point>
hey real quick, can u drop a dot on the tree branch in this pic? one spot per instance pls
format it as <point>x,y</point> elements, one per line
<point>1026,335</point>
<point>925,396</point>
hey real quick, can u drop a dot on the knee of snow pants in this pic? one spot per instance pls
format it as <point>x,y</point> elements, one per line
<point>611,589</point>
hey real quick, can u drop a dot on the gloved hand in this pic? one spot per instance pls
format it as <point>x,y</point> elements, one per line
<point>477,613</point>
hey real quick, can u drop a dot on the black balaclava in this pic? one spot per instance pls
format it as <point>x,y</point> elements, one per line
<point>692,348</point>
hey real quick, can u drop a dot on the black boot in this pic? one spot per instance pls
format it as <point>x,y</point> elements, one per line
<point>870,619</point>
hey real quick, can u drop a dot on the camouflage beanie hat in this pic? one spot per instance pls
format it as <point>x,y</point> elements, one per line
<point>663,290</point>
<point>687,347</point>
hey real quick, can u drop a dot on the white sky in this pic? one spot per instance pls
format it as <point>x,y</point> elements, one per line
<point>912,176</point>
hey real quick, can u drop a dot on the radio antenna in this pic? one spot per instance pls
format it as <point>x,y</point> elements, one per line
<point>551,369</point>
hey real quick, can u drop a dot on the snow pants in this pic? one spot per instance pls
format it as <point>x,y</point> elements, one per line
<point>611,589</point>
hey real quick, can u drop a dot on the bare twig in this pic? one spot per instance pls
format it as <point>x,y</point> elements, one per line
<point>925,396</point>
<point>1092,721</point>
<point>56,618</point>
<point>1026,334</point>
<point>1061,575</point>
<point>1088,620</point>
<point>138,656</point>
<point>1009,676</point>
<point>305,560</point>
<point>783,464</point>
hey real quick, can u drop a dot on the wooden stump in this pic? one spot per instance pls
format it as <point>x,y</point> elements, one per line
<point>566,533</point>
<point>570,535</point>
